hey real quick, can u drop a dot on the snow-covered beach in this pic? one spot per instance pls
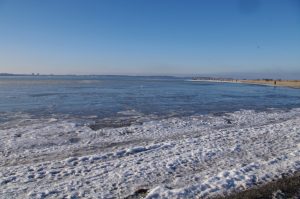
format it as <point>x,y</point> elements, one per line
<point>189,157</point>
<point>149,99</point>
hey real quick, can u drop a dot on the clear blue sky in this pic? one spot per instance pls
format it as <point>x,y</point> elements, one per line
<point>149,36</point>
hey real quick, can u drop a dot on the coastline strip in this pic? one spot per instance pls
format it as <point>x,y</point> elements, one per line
<point>280,83</point>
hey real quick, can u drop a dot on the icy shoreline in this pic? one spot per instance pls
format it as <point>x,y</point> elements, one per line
<point>187,157</point>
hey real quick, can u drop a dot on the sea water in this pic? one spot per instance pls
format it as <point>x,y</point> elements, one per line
<point>121,100</point>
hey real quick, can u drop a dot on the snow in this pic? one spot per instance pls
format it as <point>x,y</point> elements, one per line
<point>198,156</point>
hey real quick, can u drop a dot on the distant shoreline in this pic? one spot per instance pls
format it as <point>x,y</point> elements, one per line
<point>280,83</point>
<point>265,82</point>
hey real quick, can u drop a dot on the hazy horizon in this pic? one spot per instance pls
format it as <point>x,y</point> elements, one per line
<point>288,76</point>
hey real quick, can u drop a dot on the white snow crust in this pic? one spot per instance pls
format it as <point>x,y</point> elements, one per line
<point>190,157</point>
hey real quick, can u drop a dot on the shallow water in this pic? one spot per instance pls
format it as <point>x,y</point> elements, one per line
<point>125,99</point>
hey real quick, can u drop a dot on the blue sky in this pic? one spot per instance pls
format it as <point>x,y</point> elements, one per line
<point>150,36</point>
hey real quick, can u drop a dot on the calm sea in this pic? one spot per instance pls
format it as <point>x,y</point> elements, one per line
<point>118,98</point>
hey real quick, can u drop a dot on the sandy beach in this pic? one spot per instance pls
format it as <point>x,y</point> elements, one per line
<point>284,83</point>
